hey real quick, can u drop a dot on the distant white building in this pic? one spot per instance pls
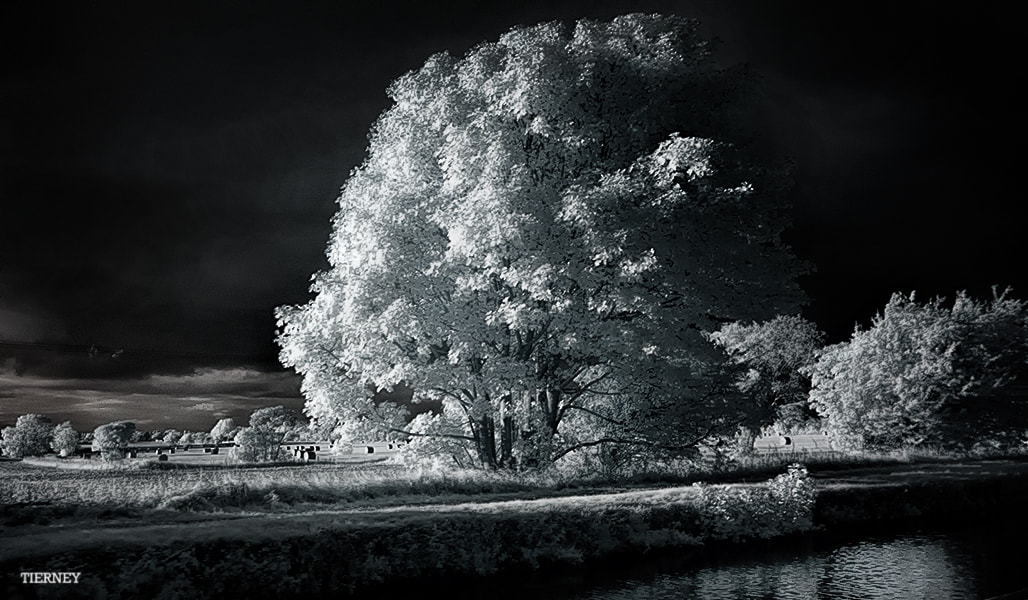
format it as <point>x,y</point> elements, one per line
<point>376,447</point>
<point>779,444</point>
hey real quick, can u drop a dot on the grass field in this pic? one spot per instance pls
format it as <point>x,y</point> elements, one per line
<point>202,483</point>
<point>144,482</point>
<point>48,491</point>
<point>321,528</point>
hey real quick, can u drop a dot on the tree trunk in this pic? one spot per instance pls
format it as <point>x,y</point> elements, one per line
<point>507,442</point>
<point>540,450</point>
<point>744,440</point>
<point>485,436</point>
<point>552,411</point>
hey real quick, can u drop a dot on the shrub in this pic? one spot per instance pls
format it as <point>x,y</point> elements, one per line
<point>783,505</point>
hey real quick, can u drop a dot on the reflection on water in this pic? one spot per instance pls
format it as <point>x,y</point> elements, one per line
<point>969,563</point>
<point>914,567</point>
<point>917,566</point>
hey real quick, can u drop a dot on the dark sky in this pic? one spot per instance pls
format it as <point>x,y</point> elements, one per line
<point>168,170</point>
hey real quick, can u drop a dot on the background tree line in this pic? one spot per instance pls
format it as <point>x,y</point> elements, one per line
<point>269,427</point>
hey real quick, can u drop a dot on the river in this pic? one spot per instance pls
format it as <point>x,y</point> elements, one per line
<point>970,562</point>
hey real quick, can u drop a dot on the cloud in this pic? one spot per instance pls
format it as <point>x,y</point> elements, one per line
<point>194,401</point>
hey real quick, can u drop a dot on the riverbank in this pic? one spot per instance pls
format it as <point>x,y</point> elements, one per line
<point>932,495</point>
<point>326,552</point>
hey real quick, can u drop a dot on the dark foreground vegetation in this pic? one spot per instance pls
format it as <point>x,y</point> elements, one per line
<point>305,532</point>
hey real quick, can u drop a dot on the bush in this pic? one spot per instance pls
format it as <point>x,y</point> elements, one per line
<point>784,505</point>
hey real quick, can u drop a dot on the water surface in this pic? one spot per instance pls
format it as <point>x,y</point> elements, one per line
<point>971,562</point>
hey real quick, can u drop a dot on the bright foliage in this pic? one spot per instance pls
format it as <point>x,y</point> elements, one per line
<point>224,429</point>
<point>30,436</point>
<point>912,377</point>
<point>539,235</point>
<point>112,439</point>
<point>65,439</point>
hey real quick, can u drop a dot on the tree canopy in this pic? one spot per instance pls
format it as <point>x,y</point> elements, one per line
<point>540,234</point>
<point>30,436</point>
<point>112,439</point>
<point>772,357</point>
<point>923,373</point>
<point>65,439</point>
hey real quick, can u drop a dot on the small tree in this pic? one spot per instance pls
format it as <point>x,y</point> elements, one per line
<point>909,379</point>
<point>30,436</point>
<point>275,418</point>
<point>771,358</point>
<point>12,440</point>
<point>283,421</point>
<point>112,439</point>
<point>65,440</point>
<point>262,440</point>
<point>194,437</point>
<point>253,444</point>
<point>171,436</point>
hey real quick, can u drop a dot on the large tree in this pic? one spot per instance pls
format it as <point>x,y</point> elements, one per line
<point>539,235</point>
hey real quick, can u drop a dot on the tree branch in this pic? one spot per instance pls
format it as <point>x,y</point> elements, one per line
<point>595,414</point>
<point>451,436</point>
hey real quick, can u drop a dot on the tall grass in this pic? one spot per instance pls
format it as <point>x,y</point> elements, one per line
<point>220,488</point>
<point>301,486</point>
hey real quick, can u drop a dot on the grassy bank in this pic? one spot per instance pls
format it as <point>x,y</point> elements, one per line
<point>936,500</point>
<point>144,485</point>
<point>241,544</point>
